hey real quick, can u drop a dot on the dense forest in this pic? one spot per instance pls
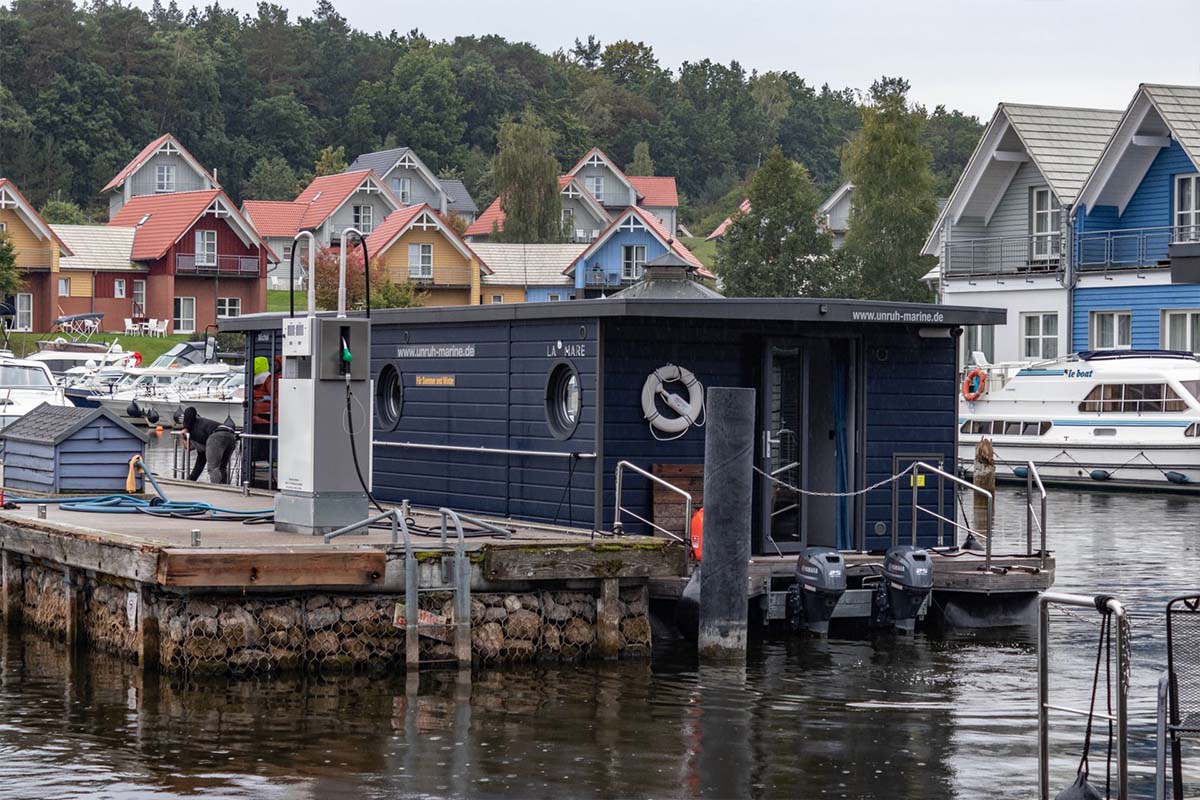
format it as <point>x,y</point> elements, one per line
<point>82,89</point>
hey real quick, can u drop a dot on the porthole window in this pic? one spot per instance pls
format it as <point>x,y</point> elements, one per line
<point>389,397</point>
<point>564,400</point>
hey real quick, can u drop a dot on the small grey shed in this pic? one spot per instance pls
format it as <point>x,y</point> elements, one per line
<point>65,450</point>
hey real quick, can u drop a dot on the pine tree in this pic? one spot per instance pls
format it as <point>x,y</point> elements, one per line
<point>641,164</point>
<point>271,179</point>
<point>778,249</point>
<point>893,204</point>
<point>526,174</point>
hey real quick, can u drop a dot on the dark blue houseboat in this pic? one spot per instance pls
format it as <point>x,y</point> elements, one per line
<point>525,410</point>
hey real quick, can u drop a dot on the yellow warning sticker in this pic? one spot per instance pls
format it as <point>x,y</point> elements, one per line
<point>435,380</point>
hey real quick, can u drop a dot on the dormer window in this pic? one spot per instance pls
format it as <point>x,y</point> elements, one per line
<point>1187,208</point>
<point>364,218</point>
<point>595,185</point>
<point>164,178</point>
<point>145,218</point>
<point>1045,216</point>
<point>403,189</point>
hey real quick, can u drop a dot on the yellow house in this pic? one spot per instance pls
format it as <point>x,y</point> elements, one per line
<point>38,250</point>
<point>417,247</point>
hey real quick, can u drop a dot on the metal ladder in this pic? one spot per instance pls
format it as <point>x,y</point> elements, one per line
<point>456,580</point>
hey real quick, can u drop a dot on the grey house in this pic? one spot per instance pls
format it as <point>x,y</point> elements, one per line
<point>163,167</point>
<point>403,171</point>
<point>65,449</point>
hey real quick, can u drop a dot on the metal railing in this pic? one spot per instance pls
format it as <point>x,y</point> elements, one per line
<point>225,265</point>
<point>920,466</point>
<point>1032,519</point>
<point>594,278</point>
<point>502,451</point>
<point>618,527</point>
<point>1101,603</point>
<point>1007,255</point>
<point>1129,248</point>
<point>336,231</point>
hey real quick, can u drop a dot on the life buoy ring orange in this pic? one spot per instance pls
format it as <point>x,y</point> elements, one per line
<point>973,384</point>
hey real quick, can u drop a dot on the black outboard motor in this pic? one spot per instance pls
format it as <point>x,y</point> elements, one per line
<point>820,584</point>
<point>908,572</point>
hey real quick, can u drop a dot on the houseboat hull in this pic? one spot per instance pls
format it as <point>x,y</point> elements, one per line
<point>1143,466</point>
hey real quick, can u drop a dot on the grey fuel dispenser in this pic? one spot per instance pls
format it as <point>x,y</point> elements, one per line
<point>325,415</point>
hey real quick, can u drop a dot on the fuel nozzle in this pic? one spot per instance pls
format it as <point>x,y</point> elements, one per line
<point>347,356</point>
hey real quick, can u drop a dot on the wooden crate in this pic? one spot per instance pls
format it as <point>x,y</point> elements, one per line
<point>668,506</point>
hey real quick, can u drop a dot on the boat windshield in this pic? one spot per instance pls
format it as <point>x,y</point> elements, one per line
<point>14,376</point>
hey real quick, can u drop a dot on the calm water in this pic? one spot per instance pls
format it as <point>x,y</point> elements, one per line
<point>882,718</point>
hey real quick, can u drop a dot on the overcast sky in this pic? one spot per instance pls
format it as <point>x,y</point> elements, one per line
<point>967,54</point>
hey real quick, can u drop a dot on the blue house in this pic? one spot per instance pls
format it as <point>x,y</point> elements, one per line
<point>619,254</point>
<point>1140,202</point>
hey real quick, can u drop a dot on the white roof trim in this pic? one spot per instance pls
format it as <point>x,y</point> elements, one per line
<point>998,120</point>
<point>378,186</point>
<point>423,170</point>
<point>222,208</point>
<point>618,224</point>
<point>180,151</point>
<point>597,152</point>
<point>1013,168</point>
<point>428,219</point>
<point>591,202</point>
<point>11,199</point>
<point>834,198</point>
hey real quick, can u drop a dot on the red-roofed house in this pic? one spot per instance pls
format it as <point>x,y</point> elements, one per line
<point>720,231</point>
<point>617,257</point>
<point>418,248</point>
<point>582,217</point>
<point>38,251</point>
<point>203,258</point>
<point>163,167</point>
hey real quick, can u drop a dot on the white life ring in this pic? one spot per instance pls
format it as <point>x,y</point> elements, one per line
<point>688,413</point>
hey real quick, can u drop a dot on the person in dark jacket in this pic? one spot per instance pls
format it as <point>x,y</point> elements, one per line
<point>213,444</point>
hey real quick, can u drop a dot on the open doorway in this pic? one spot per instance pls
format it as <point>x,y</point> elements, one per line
<point>809,427</point>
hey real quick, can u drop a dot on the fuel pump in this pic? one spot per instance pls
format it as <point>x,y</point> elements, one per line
<point>325,409</point>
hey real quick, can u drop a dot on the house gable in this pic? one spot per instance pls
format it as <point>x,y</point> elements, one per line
<point>454,263</point>
<point>35,243</point>
<point>617,191</point>
<point>162,167</point>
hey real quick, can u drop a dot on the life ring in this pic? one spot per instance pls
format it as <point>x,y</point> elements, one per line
<point>135,359</point>
<point>974,384</point>
<point>688,413</point>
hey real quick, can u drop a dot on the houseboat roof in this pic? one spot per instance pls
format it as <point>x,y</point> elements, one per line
<point>771,309</point>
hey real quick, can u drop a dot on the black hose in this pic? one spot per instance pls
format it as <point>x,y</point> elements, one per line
<point>354,453</point>
<point>366,272</point>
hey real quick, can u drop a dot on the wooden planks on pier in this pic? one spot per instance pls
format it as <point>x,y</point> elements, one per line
<point>213,567</point>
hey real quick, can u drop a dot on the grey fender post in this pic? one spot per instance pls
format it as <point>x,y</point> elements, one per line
<point>728,479</point>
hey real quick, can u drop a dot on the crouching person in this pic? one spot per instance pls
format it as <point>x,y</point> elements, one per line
<point>213,444</point>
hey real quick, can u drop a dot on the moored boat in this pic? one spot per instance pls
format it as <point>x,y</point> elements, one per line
<point>1110,417</point>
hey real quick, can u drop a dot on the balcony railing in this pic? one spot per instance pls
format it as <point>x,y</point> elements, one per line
<point>594,278</point>
<point>335,231</point>
<point>1130,248</point>
<point>241,266</point>
<point>1007,255</point>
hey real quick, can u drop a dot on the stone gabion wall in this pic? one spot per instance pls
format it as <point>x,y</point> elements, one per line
<point>106,616</point>
<point>44,598</point>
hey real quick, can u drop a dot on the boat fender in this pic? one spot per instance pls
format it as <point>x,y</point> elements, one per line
<point>974,384</point>
<point>133,410</point>
<point>688,412</point>
<point>152,416</point>
<point>1176,477</point>
<point>1021,472</point>
<point>1100,474</point>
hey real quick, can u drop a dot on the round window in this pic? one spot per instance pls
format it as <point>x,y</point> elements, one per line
<point>389,397</point>
<point>564,400</point>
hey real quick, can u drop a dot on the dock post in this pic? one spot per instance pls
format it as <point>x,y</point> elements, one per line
<point>728,482</point>
<point>147,630</point>
<point>12,595</point>
<point>608,618</point>
<point>73,593</point>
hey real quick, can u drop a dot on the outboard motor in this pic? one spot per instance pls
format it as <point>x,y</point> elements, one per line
<point>908,572</point>
<point>820,584</point>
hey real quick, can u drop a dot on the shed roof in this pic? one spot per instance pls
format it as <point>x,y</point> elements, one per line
<point>49,424</point>
<point>657,191</point>
<point>104,248</point>
<point>528,264</point>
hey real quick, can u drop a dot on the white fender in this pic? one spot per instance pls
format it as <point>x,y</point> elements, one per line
<point>688,411</point>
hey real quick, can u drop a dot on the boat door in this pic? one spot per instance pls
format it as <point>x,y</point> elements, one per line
<point>807,436</point>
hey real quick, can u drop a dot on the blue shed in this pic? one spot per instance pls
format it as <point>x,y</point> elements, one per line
<point>470,405</point>
<point>66,449</point>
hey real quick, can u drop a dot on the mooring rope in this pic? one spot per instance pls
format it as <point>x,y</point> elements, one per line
<point>855,493</point>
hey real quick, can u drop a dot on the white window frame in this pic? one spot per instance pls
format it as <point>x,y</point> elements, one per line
<point>1046,225</point>
<point>981,338</point>
<point>206,248</point>
<point>3,227</point>
<point>405,191</point>
<point>119,288</point>
<point>633,267</point>
<point>139,297</point>
<point>568,220</point>
<point>422,267</point>
<point>1187,217</point>
<point>595,186</point>
<point>1191,329</point>
<point>287,253</point>
<point>179,322</point>
<point>164,178</point>
<point>364,218</point>
<point>497,299</point>
<point>233,304</point>
<point>23,321</point>
<point>1094,330</point>
<point>554,297</point>
<point>1041,339</point>
<point>64,287</point>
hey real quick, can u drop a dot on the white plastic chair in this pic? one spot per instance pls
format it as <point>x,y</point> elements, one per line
<point>149,327</point>
<point>160,329</point>
<point>131,327</point>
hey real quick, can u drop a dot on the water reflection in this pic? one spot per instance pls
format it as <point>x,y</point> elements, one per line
<point>892,716</point>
